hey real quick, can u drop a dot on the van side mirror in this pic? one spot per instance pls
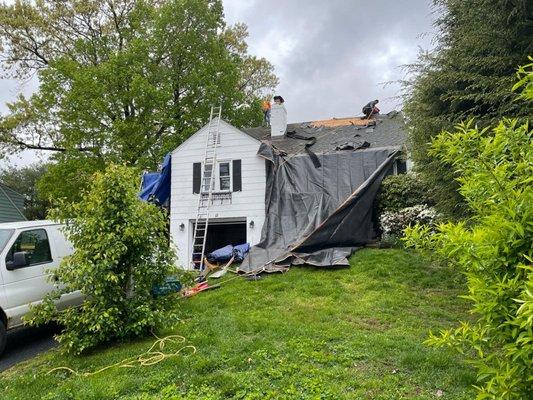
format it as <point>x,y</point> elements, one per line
<point>19,260</point>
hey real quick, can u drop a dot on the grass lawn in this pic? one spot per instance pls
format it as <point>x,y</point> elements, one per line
<point>352,333</point>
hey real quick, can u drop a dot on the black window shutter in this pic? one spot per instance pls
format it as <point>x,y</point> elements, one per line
<point>237,176</point>
<point>196,177</point>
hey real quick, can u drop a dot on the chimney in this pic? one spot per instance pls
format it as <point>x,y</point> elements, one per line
<point>278,120</point>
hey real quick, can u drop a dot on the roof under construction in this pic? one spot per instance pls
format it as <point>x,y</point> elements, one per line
<point>320,189</point>
<point>338,133</point>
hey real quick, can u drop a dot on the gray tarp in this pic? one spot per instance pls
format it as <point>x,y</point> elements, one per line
<point>318,216</point>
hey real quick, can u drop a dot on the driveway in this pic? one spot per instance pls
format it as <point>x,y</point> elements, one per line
<point>25,343</point>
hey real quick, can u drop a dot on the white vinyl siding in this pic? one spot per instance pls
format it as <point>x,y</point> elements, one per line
<point>247,204</point>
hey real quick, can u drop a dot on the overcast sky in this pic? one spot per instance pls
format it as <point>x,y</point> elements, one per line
<point>331,56</point>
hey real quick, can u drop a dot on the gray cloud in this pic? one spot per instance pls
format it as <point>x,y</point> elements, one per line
<point>332,57</point>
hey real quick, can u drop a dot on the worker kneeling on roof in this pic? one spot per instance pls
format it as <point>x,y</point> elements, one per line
<point>371,109</point>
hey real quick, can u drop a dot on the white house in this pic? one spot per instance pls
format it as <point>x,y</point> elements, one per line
<point>237,212</point>
<point>238,209</point>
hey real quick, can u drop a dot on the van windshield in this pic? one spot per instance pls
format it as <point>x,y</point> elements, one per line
<point>5,234</point>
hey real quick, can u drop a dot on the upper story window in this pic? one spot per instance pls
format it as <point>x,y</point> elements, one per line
<point>206,177</point>
<point>35,244</point>
<point>224,176</point>
<point>220,179</point>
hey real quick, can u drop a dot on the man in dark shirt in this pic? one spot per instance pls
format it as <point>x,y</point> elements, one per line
<point>371,109</point>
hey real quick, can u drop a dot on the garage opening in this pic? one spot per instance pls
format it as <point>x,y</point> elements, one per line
<point>220,234</point>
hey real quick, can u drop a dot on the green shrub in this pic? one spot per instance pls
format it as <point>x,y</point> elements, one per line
<point>120,253</point>
<point>401,191</point>
<point>494,251</point>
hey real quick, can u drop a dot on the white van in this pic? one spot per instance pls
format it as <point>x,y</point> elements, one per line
<point>28,250</point>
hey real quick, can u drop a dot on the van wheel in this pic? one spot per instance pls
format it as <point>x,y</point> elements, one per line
<point>3,337</point>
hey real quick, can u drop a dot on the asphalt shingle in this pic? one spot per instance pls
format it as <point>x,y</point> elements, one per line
<point>386,130</point>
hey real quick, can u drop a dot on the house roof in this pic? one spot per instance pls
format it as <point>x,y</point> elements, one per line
<point>11,205</point>
<point>387,130</point>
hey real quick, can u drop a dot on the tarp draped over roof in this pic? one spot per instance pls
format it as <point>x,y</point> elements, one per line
<point>318,216</point>
<point>155,186</point>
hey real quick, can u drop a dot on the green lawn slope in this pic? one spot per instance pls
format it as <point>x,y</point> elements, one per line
<point>353,333</point>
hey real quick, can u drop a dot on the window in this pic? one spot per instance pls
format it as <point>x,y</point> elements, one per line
<point>5,234</point>
<point>400,167</point>
<point>224,176</point>
<point>34,244</point>
<point>206,178</point>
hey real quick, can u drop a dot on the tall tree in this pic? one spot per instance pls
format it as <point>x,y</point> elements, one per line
<point>122,80</point>
<point>24,180</point>
<point>469,74</point>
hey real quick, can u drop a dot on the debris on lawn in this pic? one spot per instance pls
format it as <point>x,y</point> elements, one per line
<point>170,285</point>
<point>199,287</point>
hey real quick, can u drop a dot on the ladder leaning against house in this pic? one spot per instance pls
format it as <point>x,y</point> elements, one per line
<point>207,184</point>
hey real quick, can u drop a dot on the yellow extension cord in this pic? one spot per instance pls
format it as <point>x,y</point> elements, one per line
<point>145,359</point>
<point>148,358</point>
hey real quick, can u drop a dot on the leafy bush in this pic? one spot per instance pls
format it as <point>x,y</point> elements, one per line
<point>494,251</point>
<point>121,251</point>
<point>401,191</point>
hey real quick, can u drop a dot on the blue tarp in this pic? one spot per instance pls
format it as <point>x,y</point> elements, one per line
<point>155,186</point>
<point>240,251</point>
<point>221,255</point>
<point>225,253</point>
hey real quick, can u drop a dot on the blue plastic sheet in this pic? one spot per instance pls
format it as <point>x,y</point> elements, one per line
<point>225,253</point>
<point>240,251</point>
<point>155,186</point>
<point>221,255</point>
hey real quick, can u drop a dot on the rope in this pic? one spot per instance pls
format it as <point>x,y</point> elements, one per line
<point>146,359</point>
<point>150,357</point>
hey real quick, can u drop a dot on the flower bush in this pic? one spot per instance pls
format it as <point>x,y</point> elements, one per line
<point>393,223</point>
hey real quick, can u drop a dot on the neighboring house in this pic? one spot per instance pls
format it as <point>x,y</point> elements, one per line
<point>237,212</point>
<point>11,205</point>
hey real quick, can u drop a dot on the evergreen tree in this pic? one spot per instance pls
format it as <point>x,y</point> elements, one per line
<point>469,74</point>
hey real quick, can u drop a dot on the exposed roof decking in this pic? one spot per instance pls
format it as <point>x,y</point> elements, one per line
<point>386,130</point>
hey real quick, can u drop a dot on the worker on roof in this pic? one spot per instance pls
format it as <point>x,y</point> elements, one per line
<point>266,107</point>
<point>371,109</point>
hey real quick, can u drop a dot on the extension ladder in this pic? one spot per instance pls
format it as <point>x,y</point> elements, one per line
<point>207,184</point>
